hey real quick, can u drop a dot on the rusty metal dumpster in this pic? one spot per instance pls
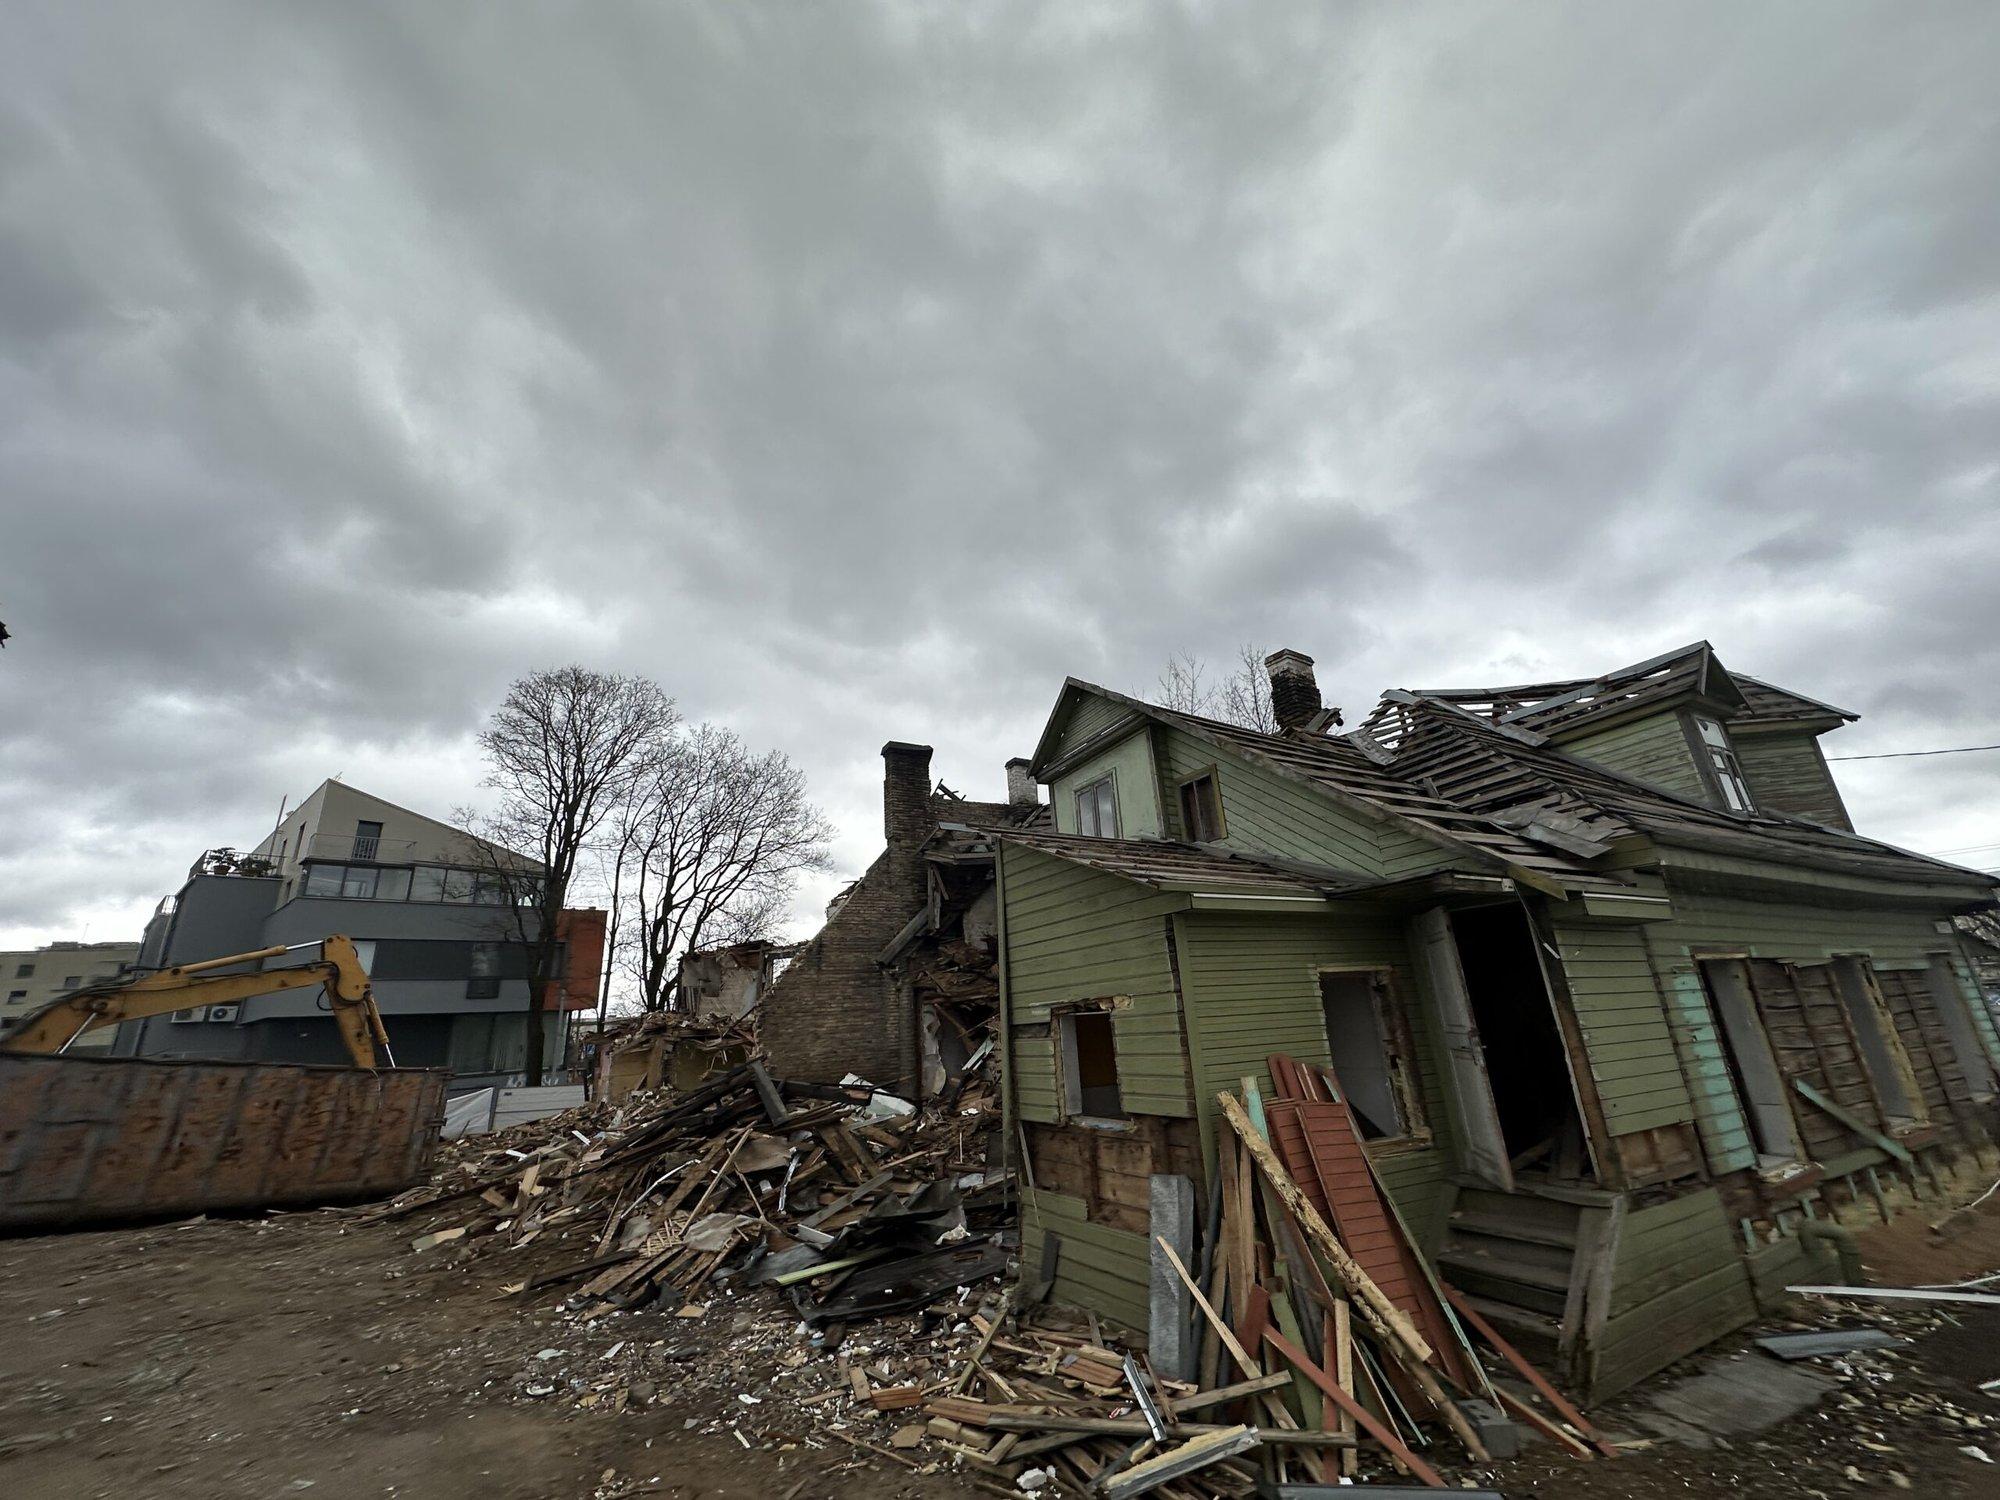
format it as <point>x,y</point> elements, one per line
<point>87,1140</point>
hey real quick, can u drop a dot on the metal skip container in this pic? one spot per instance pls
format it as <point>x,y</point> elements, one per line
<point>87,1140</point>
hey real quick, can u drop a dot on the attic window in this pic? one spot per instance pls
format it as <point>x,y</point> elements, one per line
<point>1201,809</point>
<point>1723,765</point>
<point>1097,809</point>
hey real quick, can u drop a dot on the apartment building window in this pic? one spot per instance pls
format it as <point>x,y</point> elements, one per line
<point>72,981</point>
<point>1090,1065</point>
<point>17,994</point>
<point>357,882</point>
<point>25,971</point>
<point>1097,808</point>
<point>1723,767</point>
<point>1201,809</point>
<point>484,983</point>
<point>367,839</point>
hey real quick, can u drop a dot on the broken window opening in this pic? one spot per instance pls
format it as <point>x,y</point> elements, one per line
<point>1881,1049</point>
<point>1201,809</point>
<point>1369,1045</point>
<point>1753,1067</point>
<point>1723,767</point>
<point>1097,808</point>
<point>1953,1004</point>
<point>1090,1066</point>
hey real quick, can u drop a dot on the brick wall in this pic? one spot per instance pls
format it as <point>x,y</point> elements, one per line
<point>835,1010</point>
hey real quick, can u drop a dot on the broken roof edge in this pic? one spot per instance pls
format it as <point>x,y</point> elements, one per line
<point>1845,715</point>
<point>1134,860</point>
<point>1830,861</point>
<point>1761,823</point>
<point>1196,725</point>
<point>1546,693</point>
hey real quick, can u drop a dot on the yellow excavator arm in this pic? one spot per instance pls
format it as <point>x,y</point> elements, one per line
<point>339,969</point>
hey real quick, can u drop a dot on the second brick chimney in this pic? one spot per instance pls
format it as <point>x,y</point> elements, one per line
<point>1295,698</point>
<point>1022,788</point>
<point>906,794</point>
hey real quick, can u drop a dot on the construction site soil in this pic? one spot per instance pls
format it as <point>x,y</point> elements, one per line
<point>303,1352</point>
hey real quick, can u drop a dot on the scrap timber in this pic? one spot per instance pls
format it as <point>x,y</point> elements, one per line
<point>1318,1348</point>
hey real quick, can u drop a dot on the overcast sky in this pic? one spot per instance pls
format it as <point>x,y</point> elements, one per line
<point>858,372</point>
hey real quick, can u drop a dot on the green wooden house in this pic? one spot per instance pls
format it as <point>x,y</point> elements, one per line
<point>1619,999</point>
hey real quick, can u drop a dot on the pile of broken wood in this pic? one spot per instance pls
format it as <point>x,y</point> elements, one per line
<point>1321,1344</point>
<point>850,1200</point>
<point>1299,1337</point>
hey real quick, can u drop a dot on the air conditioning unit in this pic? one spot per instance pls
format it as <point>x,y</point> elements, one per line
<point>226,1013</point>
<point>189,1016</point>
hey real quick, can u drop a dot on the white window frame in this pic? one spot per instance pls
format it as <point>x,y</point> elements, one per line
<point>1107,782</point>
<point>1720,764</point>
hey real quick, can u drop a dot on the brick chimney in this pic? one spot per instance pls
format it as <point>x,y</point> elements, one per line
<point>1022,788</point>
<point>906,795</point>
<point>1294,689</point>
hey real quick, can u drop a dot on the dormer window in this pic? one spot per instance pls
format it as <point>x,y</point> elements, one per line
<point>1097,808</point>
<point>1723,767</point>
<point>1201,809</point>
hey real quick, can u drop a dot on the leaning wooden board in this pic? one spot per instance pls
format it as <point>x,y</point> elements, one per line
<point>87,1140</point>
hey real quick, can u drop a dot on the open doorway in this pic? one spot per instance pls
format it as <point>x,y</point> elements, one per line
<point>1526,1066</point>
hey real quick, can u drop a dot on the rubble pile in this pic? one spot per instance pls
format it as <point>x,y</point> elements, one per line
<point>846,1199</point>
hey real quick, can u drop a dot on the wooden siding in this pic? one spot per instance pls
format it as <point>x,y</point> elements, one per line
<point>1077,934</point>
<point>1098,1268</point>
<point>1769,928</point>
<point>1913,1008</point>
<point>1725,1134</point>
<point>1624,1022</point>
<point>1092,715</point>
<point>1678,1280</point>
<point>1653,749</point>
<point>1813,1041</point>
<point>1252,985</point>
<point>1787,774</point>
<point>1263,811</point>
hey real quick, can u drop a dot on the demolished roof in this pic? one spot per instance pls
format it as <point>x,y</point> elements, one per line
<point>1198,869</point>
<point>1353,771</point>
<point>1475,771</point>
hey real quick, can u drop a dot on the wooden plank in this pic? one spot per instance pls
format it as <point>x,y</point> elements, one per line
<point>1529,1373</point>
<point>1335,1393</point>
<point>1874,1137</point>
<point>1377,1308</point>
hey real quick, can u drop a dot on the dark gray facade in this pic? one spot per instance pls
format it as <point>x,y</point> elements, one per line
<point>450,979</point>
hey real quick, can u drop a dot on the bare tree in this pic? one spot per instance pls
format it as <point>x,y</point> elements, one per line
<point>564,750</point>
<point>724,835</point>
<point>1181,687</point>
<point>1242,697</point>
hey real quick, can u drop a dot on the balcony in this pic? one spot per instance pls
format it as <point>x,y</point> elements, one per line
<point>368,849</point>
<point>227,861</point>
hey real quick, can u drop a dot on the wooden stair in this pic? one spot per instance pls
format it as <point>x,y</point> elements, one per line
<point>1513,1255</point>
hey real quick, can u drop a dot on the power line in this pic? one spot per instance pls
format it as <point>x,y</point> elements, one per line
<point>1899,754</point>
<point>1962,849</point>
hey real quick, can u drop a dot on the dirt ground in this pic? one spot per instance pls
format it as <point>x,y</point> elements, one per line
<point>277,1356</point>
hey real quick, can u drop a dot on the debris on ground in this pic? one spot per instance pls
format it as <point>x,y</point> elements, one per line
<point>853,1209</point>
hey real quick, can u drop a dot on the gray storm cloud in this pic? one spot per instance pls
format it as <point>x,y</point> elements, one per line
<point>859,371</point>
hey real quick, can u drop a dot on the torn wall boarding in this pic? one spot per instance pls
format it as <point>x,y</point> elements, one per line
<point>1623,1006</point>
